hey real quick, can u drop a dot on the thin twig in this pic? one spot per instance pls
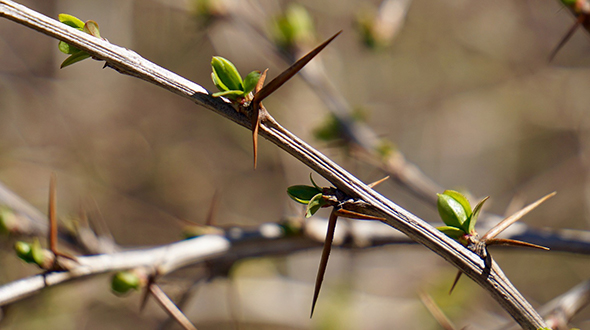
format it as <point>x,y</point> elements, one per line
<point>170,307</point>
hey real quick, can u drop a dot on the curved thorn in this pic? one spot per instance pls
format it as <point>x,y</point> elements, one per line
<point>255,127</point>
<point>210,220</point>
<point>324,259</point>
<point>567,36</point>
<point>459,273</point>
<point>290,72</point>
<point>513,218</point>
<point>146,293</point>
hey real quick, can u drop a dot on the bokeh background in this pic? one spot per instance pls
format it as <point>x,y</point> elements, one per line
<point>465,91</point>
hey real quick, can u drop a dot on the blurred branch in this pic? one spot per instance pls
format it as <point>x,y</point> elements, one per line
<point>490,277</point>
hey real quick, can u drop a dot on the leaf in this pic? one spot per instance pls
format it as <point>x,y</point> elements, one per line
<point>250,81</point>
<point>218,83</point>
<point>302,194</point>
<point>313,182</point>
<point>74,58</point>
<point>23,251</point>
<point>91,27</point>
<point>37,253</point>
<point>451,211</point>
<point>459,197</point>
<point>229,94</point>
<point>469,225</point>
<point>314,205</point>
<point>71,21</point>
<point>67,48</point>
<point>452,232</point>
<point>227,73</point>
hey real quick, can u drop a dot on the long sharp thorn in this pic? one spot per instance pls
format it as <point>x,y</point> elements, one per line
<point>513,218</point>
<point>52,217</point>
<point>255,127</point>
<point>567,36</point>
<point>210,220</point>
<point>512,242</point>
<point>324,259</point>
<point>436,312</point>
<point>146,293</point>
<point>355,215</point>
<point>459,273</point>
<point>374,184</point>
<point>290,72</point>
<point>256,105</point>
<point>170,307</point>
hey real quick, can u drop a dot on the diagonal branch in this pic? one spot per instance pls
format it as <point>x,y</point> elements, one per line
<point>129,62</point>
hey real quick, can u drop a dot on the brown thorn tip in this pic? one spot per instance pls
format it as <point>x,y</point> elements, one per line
<point>324,259</point>
<point>52,214</point>
<point>457,277</point>
<point>374,184</point>
<point>282,78</point>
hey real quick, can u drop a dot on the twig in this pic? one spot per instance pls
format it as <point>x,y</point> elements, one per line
<point>129,62</point>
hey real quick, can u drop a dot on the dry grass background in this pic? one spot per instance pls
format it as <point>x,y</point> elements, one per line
<point>465,92</point>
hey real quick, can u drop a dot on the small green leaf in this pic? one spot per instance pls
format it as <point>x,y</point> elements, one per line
<point>459,197</point>
<point>250,81</point>
<point>469,225</point>
<point>91,27</point>
<point>66,48</point>
<point>451,211</point>
<point>23,251</point>
<point>8,220</point>
<point>452,232</point>
<point>313,182</point>
<point>218,82</point>
<point>227,73</point>
<point>303,194</point>
<point>233,95</point>
<point>37,253</point>
<point>314,205</point>
<point>124,281</point>
<point>74,58</point>
<point>71,21</point>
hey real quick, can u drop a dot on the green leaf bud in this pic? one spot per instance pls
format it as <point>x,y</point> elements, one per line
<point>226,74</point>
<point>451,211</point>
<point>303,194</point>
<point>314,205</point>
<point>124,281</point>
<point>250,81</point>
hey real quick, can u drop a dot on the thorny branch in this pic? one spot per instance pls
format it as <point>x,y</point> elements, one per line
<point>129,62</point>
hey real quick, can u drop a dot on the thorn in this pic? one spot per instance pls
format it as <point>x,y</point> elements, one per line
<point>210,220</point>
<point>290,72</point>
<point>170,306</point>
<point>436,312</point>
<point>513,218</point>
<point>354,215</point>
<point>512,242</point>
<point>146,293</point>
<point>374,184</point>
<point>459,273</point>
<point>324,259</point>
<point>52,217</point>
<point>256,106</point>
<point>567,36</point>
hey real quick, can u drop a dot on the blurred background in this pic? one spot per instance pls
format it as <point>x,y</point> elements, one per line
<point>463,89</point>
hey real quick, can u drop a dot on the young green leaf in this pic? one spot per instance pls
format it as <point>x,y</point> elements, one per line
<point>227,73</point>
<point>91,27</point>
<point>452,232</point>
<point>459,197</point>
<point>250,81</point>
<point>303,194</point>
<point>451,211</point>
<point>232,95</point>
<point>124,281</point>
<point>74,58</point>
<point>314,205</point>
<point>71,21</point>
<point>66,48</point>
<point>469,225</point>
<point>313,182</point>
<point>23,251</point>
<point>37,253</point>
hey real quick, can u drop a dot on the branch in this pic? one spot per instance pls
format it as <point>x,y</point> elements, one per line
<point>128,62</point>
